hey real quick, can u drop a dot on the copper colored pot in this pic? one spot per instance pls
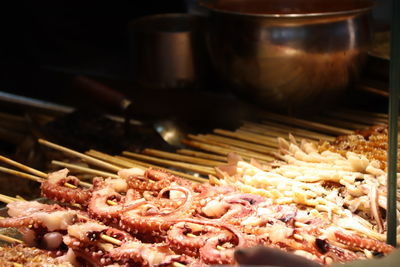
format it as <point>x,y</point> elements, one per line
<point>288,54</point>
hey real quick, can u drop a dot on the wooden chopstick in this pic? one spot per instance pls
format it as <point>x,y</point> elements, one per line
<point>319,127</point>
<point>186,166</point>
<point>84,157</point>
<point>200,154</point>
<point>183,158</point>
<point>84,169</point>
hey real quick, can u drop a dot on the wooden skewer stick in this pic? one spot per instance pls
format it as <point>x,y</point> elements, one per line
<point>10,239</point>
<point>22,174</point>
<point>341,123</point>
<point>307,124</point>
<point>129,163</point>
<point>218,147</point>
<point>368,118</point>
<point>201,154</point>
<point>211,148</point>
<point>23,167</point>
<point>112,159</point>
<point>7,199</point>
<point>87,158</point>
<point>260,135</point>
<point>35,172</point>
<point>186,166</point>
<point>263,143</point>
<point>16,264</point>
<point>111,240</point>
<point>363,113</point>
<point>148,165</point>
<point>84,169</point>
<point>20,198</point>
<point>267,127</point>
<point>238,144</point>
<point>174,156</point>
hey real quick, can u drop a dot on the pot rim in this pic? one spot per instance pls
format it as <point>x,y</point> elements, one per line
<point>369,4</point>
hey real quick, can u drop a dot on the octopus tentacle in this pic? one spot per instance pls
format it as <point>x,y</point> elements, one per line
<point>19,222</point>
<point>56,220</point>
<point>54,188</point>
<point>100,209</point>
<point>355,241</point>
<point>186,238</point>
<point>230,209</point>
<point>147,254</point>
<point>210,254</point>
<point>155,180</point>
<point>150,218</point>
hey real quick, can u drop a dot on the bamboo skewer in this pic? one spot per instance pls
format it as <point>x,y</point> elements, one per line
<point>38,175</point>
<point>251,147</point>
<point>87,158</point>
<point>267,126</point>
<point>129,163</point>
<point>112,159</point>
<point>258,135</point>
<point>234,148</point>
<point>365,119</point>
<point>253,139</point>
<point>307,124</point>
<point>187,166</point>
<point>10,239</point>
<point>22,174</point>
<point>223,149</point>
<point>200,154</point>
<point>84,169</point>
<point>174,156</point>
<point>148,165</point>
<point>342,123</point>
<point>7,199</point>
<point>362,113</point>
<point>259,138</point>
<point>23,167</point>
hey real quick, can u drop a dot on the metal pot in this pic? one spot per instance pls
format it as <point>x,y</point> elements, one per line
<point>168,51</point>
<point>288,54</point>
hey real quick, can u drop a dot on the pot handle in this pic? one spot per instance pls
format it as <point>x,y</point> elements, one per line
<point>102,93</point>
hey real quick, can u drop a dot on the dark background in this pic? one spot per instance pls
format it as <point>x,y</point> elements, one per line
<point>89,35</point>
<point>86,36</point>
